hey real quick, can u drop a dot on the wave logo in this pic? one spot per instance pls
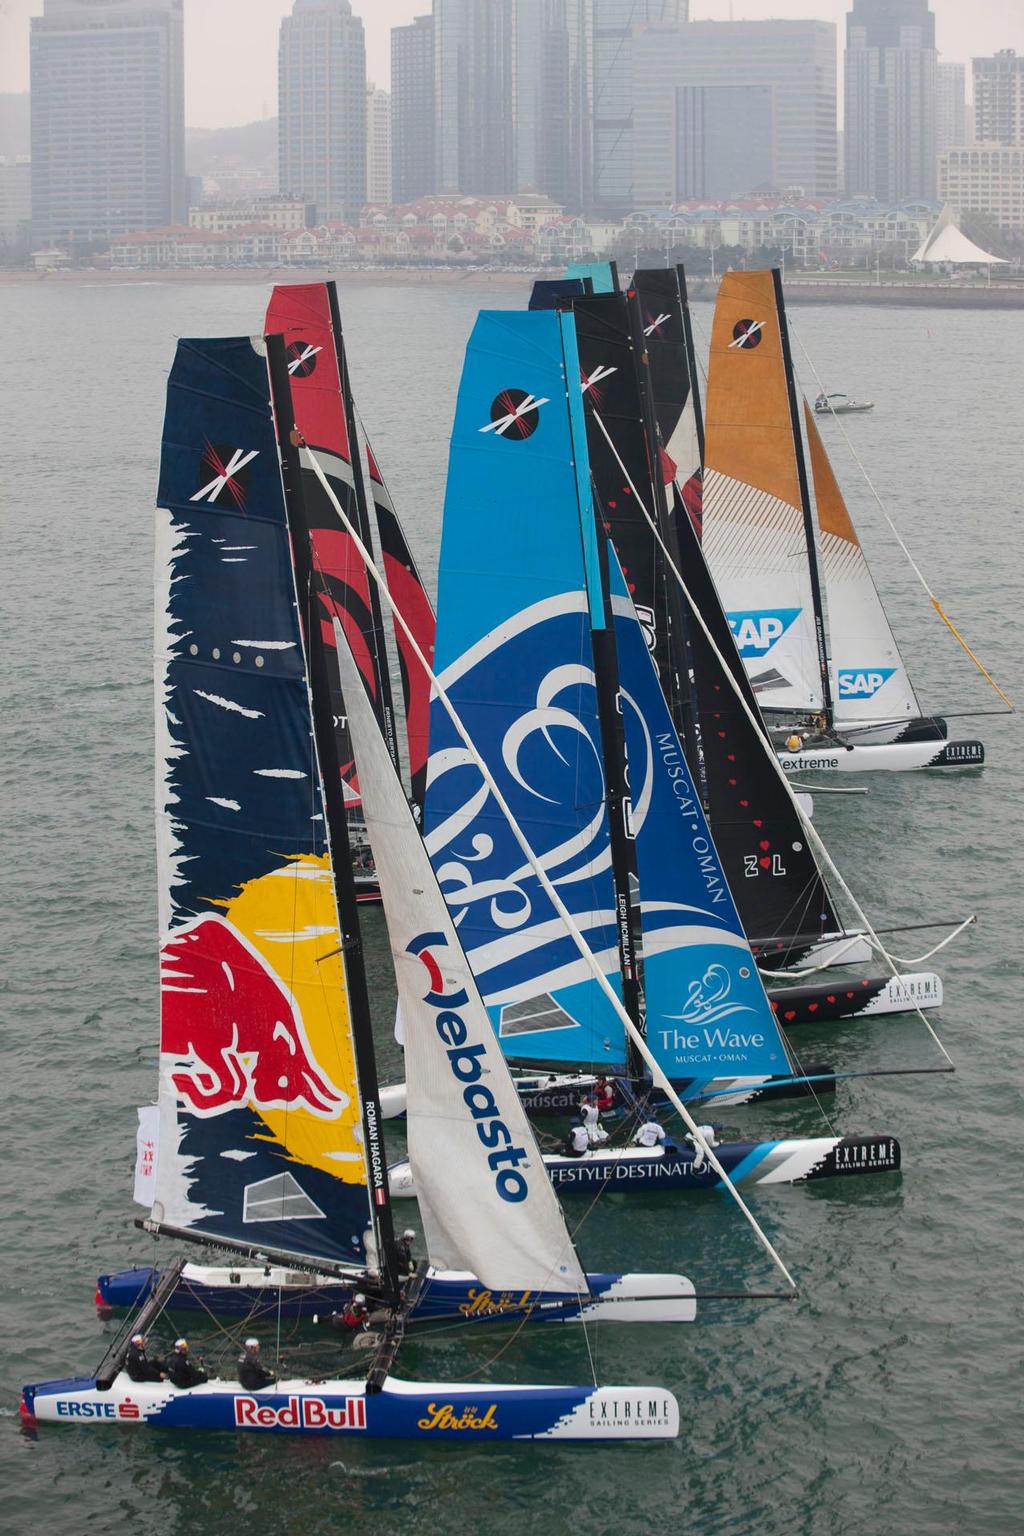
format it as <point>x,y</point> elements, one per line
<point>757,630</point>
<point>863,682</point>
<point>708,998</point>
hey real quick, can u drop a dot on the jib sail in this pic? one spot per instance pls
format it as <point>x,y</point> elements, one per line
<point>869,679</point>
<point>499,1218</point>
<point>261,1140</point>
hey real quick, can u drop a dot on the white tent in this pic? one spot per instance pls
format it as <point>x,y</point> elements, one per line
<point>948,245</point>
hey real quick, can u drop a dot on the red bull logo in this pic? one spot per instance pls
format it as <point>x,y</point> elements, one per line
<point>234,1027</point>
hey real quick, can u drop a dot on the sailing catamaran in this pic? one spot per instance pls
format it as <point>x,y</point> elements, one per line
<point>854,708</point>
<point>269,1121</point>
<point>553,677</point>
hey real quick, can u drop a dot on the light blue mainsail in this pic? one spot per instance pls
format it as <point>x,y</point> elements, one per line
<point>600,273</point>
<point>707,1012</point>
<point>513,652</point>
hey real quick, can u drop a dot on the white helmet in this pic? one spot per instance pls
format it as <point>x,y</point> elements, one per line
<point>138,1338</point>
<point>252,1343</point>
<point>359,1299</point>
<point>408,1233</point>
<point>180,1345</point>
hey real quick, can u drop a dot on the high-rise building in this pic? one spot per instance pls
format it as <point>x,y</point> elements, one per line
<point>378,145</point>
<point>509,82</point>
<point>999,98</point>
<point>613,93</point>
<point>950,107</point>
<point>891,67</point>
<point>413,172</point>
<point>986,179</point>
<point>733,104</point>
<point>108,119</point>
<point>322,107</point>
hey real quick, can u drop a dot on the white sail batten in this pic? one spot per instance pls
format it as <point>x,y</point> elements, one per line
<point>869,680</point>
<point>484,1195</point>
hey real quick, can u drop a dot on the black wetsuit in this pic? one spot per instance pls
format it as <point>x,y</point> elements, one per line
<point>183,1373</point>
<point>140,1367</point>
<point>252,1374</point>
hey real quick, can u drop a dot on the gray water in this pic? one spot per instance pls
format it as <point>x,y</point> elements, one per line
<point>887,1398</point>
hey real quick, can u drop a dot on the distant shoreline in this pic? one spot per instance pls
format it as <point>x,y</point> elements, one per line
<point>799,290</point>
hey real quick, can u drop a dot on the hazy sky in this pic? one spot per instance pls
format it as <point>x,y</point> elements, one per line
<point>231,45</point>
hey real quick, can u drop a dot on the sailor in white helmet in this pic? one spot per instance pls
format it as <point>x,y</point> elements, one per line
<point>251,1371</point>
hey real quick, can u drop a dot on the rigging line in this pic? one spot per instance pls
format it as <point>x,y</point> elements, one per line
<point>936,604</point>
<point>810,831</point>
<point>920,959</point>
<point>585,952</point>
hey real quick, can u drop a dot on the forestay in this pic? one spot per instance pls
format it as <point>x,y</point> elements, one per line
<point>514,654</point>
<point>499,1218</point>
<point>755,518</point>
<point>260,1135</point>
<point>869,679</point>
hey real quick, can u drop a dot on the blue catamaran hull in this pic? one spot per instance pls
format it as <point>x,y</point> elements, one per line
<point>252,1293</point>
<point>401,1410</point>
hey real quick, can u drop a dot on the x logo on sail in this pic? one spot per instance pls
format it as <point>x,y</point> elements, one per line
<point>600,373</point>
<point>655,325</point>
<point>514,410</point>
<point>747,333</point>
<point>301,358</point>
<point>226,476</point>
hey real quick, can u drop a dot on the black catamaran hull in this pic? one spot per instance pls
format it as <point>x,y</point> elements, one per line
<point>868,997</point>
<point>252,1292</point>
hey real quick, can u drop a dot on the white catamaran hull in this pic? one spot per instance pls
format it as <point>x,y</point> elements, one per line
<point>896,756</point>
<point>403,1410</point>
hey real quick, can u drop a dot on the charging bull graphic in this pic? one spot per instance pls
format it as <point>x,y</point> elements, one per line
<point>234,1028</point>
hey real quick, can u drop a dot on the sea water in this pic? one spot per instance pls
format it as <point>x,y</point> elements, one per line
<point>887,1397</point>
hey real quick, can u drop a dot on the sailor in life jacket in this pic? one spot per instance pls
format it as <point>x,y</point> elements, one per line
<point>578,1140</point>
<point>604,1095</point>
<point>406,1260</point>
<point>794,742</point>
<point>138,1364</point>
<point>651,1134</point>
<point>355,1316</point>
<point>709,1133</point>
<point>251,1371</point>
<point>180,1369</point>
<point>591,1116</point>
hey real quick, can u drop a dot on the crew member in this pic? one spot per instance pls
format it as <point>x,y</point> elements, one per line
<point>708,1133</point>
<point>578,1140</point>
<point>180,1369</point>
<point>591,1117</point>
<point>793,743</point>
<point>604,1095</point>
<point>650,1134</point>
<point>406,1261</point>
<point>251,1371</point>
<point>138,1364</point>
<point>355,1316</point>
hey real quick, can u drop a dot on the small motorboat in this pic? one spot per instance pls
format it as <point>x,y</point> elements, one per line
<point>840,405</point>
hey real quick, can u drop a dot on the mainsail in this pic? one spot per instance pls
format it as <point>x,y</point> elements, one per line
<point>869,679</point>
<point>261,1132</point>
<point>758,535</point>
<point>516,589</point>
<point>499,1218</point>
<point>663,306</point>
<point>305,314</point>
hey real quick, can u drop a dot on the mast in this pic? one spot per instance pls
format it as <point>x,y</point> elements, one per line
<point>691,361</point>
<point>805,501</point>
<point>378,650</point>
<point>336,823</point>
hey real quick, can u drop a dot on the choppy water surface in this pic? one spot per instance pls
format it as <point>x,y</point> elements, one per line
<point>888,1397</point>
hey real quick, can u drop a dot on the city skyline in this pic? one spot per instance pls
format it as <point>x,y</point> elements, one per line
<point>219,97</point>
